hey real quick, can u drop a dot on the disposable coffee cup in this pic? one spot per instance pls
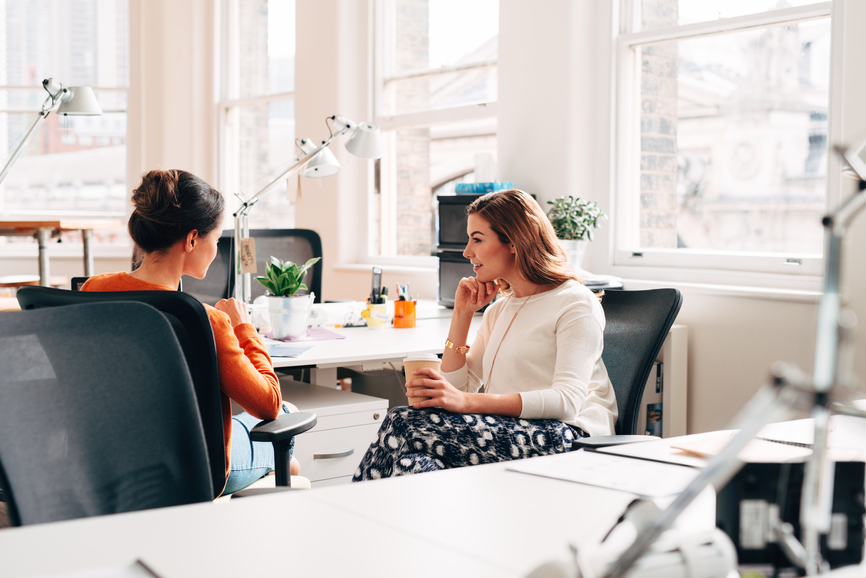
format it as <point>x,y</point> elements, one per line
<point>413,362</point>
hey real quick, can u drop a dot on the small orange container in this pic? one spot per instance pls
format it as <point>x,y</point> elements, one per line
<point>404,314</point>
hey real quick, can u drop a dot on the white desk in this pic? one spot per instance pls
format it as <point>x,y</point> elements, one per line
<point>478,521</point>
<point>44,230</point>
<point>368,348</point>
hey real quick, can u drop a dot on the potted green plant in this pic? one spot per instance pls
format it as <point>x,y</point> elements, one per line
<point>573,219</point>
<point>289,312</point>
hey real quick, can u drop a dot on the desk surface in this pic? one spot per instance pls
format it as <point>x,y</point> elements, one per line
<point>377,344</point>
<point>60,224</point>
<point>478,521</point>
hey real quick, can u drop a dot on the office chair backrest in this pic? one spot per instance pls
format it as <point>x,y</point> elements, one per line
<point>190,322</point>
<point>97,414</point>
<point>636,325</point>
<point>298,245</point>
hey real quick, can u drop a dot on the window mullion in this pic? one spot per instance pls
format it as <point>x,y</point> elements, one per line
<point>760,20</point>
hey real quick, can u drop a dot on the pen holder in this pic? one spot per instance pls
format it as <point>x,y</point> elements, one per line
<point>377,315</point>
<point>404,314</point>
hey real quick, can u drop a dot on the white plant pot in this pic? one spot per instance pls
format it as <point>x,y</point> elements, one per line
<point>289,315</point>
<point>574,251</point>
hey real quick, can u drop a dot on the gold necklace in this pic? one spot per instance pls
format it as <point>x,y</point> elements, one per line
<point>492,363</point>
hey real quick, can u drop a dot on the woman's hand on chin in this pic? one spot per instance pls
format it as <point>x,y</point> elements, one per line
<point>472,295</point>
<point>429,383</point>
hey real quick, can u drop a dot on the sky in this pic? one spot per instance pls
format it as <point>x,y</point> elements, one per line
<point>457,27</point>
<point>281,28</point>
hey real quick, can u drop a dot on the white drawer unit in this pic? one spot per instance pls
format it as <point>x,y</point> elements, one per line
<point>347,423</point>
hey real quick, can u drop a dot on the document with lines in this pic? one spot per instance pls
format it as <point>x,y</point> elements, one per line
<point>641,477</point>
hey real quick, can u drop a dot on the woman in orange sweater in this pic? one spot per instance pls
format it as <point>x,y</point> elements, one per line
<point>176,224</point>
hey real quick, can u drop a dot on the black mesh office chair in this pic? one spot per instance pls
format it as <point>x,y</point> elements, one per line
<point>636,325</point>
<point>298,245</point>
<point>192,326</point>
<point>97,414</point>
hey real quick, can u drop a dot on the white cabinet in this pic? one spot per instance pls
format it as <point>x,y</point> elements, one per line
<point>347,423</point>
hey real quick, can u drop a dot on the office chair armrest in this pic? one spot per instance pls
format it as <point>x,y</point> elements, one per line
<point>285,427</point>
<point>606,441</point>
<point>280,432</point>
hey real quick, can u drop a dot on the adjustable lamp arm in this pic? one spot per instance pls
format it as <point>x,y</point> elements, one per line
<point>365,142</point>
<point>340,122</point>
<point>57,93</point>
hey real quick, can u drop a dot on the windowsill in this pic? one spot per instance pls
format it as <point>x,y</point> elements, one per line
<point>795,287</point>
<point>773,294</point>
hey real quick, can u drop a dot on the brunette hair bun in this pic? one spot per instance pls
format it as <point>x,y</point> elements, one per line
<point>170,204</point>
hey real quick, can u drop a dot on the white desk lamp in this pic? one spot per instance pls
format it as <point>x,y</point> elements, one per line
<point>365,142</point>
<point>72,101</point>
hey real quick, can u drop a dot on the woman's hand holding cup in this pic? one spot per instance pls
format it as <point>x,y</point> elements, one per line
<point>410,364</point>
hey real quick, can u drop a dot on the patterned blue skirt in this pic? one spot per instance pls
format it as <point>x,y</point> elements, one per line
<point>424,440</point>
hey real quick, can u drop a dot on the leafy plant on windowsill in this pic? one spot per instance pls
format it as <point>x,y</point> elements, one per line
<point>285,278</point>
<point>574,218</point>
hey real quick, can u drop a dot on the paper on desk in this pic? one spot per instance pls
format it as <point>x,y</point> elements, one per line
<point>641,477</point>
<point>313,334</point>
<point>762,449</point>
<point>135,570</point>
<point>757,450</point>
<point>285,348</point>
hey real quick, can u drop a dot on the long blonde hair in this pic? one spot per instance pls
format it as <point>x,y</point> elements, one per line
<point>516,218</point>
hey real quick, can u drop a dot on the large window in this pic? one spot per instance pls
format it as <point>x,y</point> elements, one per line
<point>435,94</point>
<point>73,166</point>
<point>257,107</point>
<point>722,134</point>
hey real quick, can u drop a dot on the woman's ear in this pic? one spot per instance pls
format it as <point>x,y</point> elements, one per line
<point>191,240</point>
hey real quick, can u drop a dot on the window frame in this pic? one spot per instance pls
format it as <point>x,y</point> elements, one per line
<point>227,100</point>
<point>73,249</point>
<point>693,265</point>
<point>381,35</point>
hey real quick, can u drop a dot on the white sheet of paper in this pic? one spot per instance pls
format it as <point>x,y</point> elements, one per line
<point>134,570</point>
<point>641,477</point>
<point>278,348</point>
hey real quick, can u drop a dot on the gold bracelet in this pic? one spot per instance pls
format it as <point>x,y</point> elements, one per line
<point>458,349</point>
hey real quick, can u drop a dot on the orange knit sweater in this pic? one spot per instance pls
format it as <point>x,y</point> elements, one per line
<point>245,368</point>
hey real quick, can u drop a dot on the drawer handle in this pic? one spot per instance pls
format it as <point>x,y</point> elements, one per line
<point>334,456</point>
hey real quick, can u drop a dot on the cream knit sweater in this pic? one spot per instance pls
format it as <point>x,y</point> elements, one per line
<point>551,356</point>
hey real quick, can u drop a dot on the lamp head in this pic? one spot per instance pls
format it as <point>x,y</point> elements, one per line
<point>324,164</point>
<point>366,142</point>
<point>79,101</point>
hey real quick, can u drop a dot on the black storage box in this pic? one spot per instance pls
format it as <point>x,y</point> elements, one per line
<point>761,490</point>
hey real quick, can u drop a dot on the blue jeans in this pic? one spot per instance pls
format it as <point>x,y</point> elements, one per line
<point>250,460</point>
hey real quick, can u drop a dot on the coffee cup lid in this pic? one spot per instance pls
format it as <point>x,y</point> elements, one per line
<point>422,357</point>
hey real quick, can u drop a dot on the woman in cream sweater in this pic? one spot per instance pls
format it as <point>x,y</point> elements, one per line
<point>532,381</point>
